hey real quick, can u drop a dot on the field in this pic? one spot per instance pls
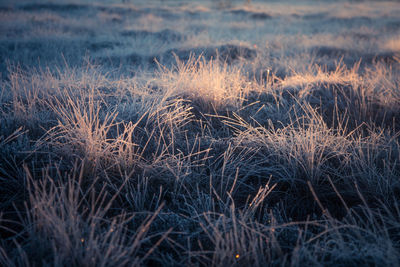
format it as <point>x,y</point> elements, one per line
<point>199,133</point>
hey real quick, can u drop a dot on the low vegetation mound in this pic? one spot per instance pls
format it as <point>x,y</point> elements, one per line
<point>138,135</point>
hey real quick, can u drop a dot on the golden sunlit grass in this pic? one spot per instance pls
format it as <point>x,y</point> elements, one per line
<point>286,155</point>
<point>163,150</point>
<point>209,83</point>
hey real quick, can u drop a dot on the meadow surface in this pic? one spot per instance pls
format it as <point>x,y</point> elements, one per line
<point>199,133</point>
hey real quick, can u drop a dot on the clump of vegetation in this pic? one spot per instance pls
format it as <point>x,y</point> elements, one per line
<point>201,161</point>
<point>188,170</point>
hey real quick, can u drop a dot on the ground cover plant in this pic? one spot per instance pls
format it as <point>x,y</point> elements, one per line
<point>196,133</point>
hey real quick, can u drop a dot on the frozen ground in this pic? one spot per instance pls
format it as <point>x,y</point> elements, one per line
<point>183,133</point>
<point>133,34</point>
